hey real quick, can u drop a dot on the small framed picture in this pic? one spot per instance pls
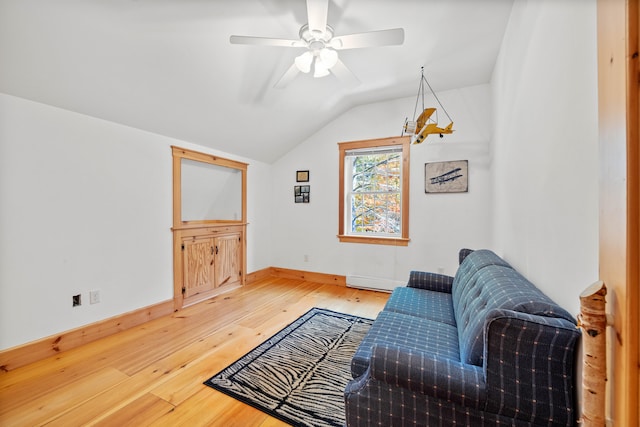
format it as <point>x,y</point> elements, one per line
<point>302,176</point>
<point>301,193</point>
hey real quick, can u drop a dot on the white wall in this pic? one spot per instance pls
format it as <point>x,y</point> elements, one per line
<point>86,205</point>
<point>545,146</point>
<point>440,224</point>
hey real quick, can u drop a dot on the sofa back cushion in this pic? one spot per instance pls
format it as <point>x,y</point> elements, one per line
<point>496,287</point>
<point>471,264</point>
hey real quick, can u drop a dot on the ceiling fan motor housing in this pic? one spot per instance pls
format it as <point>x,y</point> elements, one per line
<point>316,40</point>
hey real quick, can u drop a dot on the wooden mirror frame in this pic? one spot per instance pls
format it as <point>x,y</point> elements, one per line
<point>183,153</point>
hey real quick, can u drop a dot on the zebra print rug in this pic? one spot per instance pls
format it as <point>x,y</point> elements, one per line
<point>299,374</point>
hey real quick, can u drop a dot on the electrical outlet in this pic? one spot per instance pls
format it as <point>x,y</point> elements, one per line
<point>76,300</point>
<point>94,297</point>
<point>306,258</point>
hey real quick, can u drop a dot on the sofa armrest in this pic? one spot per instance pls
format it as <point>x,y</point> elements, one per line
<point>463,254</point>
<point>428,374</point>
<point>529,364</point>
<point>430,281</point>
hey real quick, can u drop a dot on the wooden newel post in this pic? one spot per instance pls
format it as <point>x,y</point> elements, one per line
<point>593,322</point>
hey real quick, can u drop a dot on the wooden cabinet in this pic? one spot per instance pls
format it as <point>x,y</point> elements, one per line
<point>209,225</point>
<point>208,261</point>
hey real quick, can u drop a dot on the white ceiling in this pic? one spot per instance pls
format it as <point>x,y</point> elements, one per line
<point>166,66</point>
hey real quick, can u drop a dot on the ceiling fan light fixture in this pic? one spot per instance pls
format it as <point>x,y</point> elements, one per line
<point>329,57</point>
<point>304,61</point>
<point>320,69</point>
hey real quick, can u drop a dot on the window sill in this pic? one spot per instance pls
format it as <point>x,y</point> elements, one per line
<point>392,241</point>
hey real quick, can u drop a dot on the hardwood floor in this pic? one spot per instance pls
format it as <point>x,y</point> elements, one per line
<point>152,375</point>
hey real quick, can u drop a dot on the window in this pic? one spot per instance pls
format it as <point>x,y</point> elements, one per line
<point>374,191</point>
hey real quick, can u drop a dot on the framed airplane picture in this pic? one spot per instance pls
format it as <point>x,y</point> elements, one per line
<point>446,177</point>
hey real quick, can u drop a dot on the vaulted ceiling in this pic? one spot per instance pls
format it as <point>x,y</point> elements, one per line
<point>166,66</point>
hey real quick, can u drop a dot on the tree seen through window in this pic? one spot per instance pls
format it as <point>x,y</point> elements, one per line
<point>376,193</point>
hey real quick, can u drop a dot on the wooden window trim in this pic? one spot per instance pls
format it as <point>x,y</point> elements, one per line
<point>343,147</point>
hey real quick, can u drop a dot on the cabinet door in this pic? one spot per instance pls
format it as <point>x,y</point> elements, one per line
<point>198,267</point>
<point>228,259</point>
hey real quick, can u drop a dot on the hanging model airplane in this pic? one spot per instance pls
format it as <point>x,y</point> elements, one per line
<point>425,125</point>
<point>428,127</point>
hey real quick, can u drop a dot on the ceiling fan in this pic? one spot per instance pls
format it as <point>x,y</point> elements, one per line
<point>322,46</point>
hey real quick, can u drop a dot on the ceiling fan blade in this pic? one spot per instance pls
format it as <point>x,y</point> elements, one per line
<point>266,41</point>
<point>344,74</point>
<point>369,39</point>
<point>317,11</point>
<point>287,77</point>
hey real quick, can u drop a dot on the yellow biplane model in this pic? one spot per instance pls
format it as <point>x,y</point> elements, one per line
<point>425,125</point>
<point>428,127</point>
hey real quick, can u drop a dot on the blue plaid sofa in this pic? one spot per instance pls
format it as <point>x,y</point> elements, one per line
<point>483,348</point>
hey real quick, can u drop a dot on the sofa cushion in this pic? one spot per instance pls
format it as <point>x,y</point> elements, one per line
<point>406,331</point>
<point>497,287</point>
<point>472,263</point>
<point>431,305</point>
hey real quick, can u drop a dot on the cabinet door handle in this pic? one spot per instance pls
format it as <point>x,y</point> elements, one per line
<point>216,250</point>
<point>211,250</point>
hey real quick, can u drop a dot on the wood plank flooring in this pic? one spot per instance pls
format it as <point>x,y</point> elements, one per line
<point>152,375</point>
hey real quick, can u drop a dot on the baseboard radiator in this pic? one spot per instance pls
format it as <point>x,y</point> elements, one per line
<point>373,283</point>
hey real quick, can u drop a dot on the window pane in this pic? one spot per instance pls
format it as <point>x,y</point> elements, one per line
<point>376,172</point>
<point>376,213</point>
